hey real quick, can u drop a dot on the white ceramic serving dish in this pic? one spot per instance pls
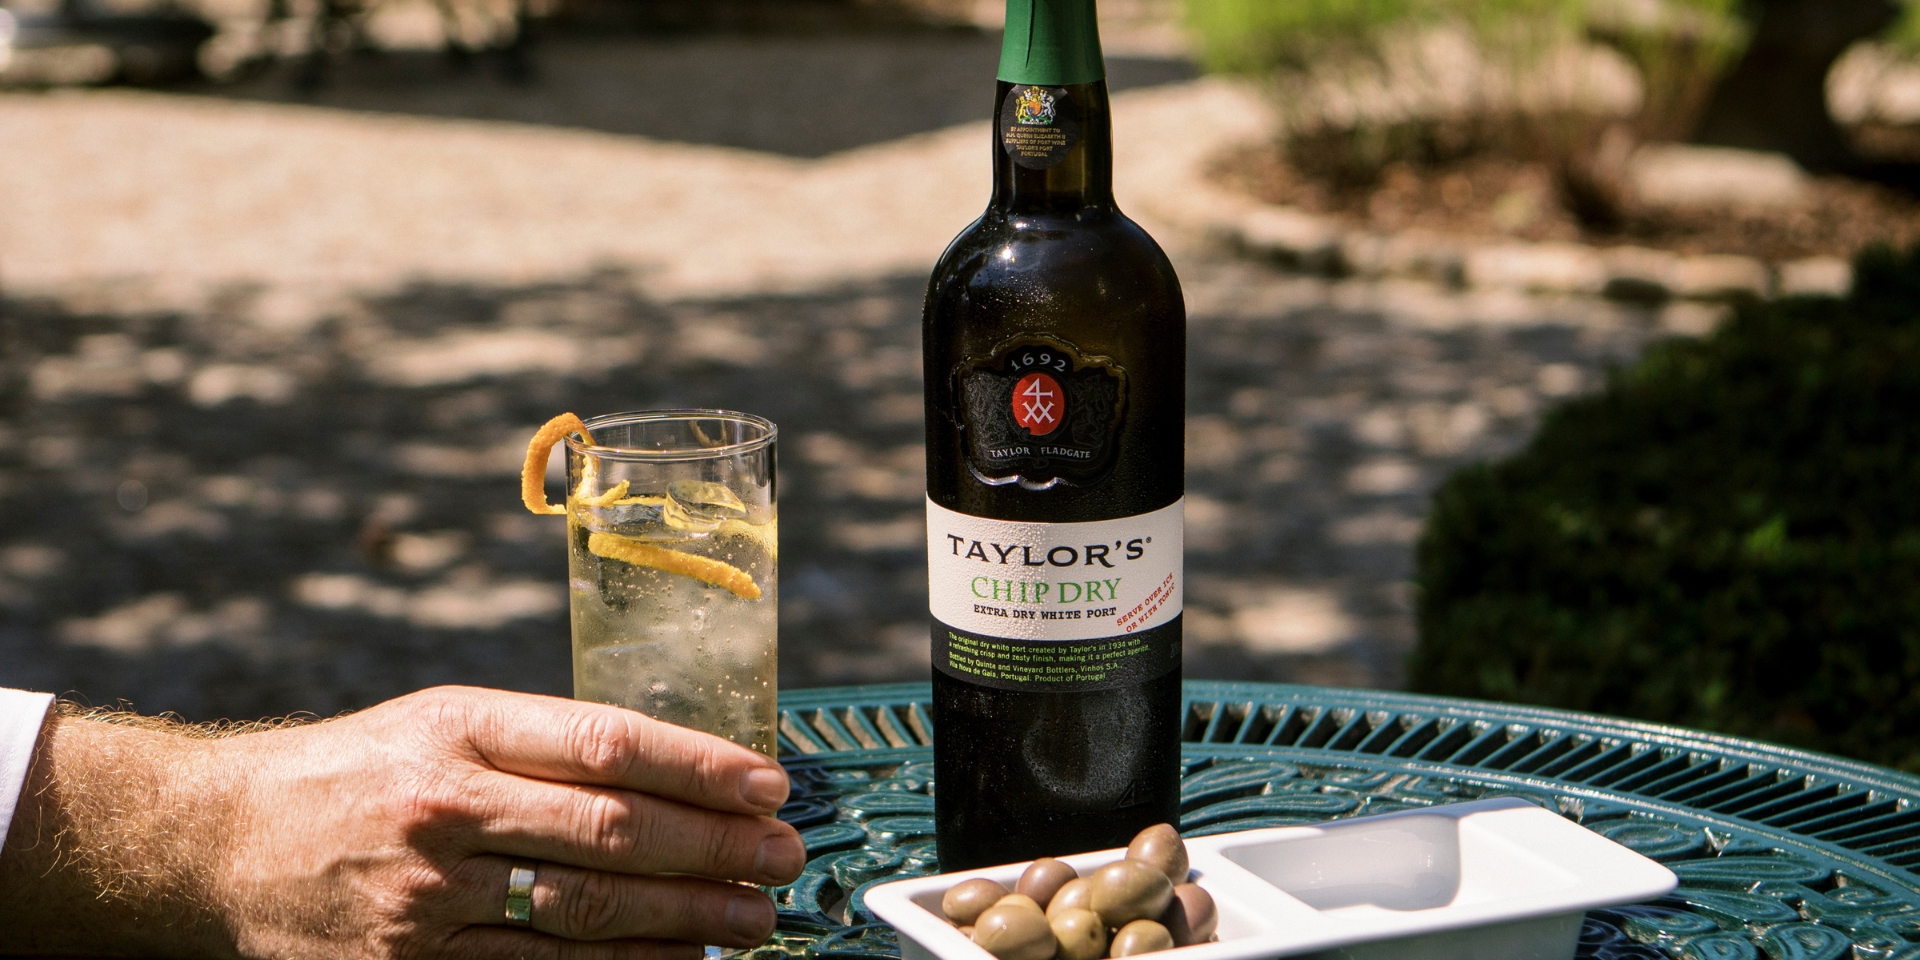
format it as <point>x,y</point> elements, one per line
<point>1488,880</point>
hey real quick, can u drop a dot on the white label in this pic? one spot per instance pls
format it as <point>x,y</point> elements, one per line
<point>1055,581</point>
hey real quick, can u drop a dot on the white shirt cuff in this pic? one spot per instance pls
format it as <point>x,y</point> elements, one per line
<point>22,714</point>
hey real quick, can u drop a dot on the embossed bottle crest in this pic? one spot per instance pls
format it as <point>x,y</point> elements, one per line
<point>1038,412</point>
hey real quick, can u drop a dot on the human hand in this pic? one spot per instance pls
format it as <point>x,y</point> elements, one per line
<point>391,832</point>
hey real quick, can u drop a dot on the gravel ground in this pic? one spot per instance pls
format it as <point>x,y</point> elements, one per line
<point>266,374</point>
<point>718,90</point>
<point>205,513</point>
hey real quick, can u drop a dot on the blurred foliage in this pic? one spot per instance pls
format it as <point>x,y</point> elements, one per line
<point>1904,35</point>
<point>1680,46</point>
<point>1726,537</point>
<point>1682,49</point>
<point>1255,36</point>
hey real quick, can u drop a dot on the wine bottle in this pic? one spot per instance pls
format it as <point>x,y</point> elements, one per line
<point>1055,358</point>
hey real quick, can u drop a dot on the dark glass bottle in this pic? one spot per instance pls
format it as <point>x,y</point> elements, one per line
<point>1055,352</point>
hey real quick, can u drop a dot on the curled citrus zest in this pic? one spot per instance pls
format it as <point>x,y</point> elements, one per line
<point>609,499</point>
<point>533,475</point>
<point>589,478</point>
<point>704,569</point>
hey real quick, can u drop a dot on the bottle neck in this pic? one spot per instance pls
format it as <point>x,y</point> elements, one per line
<point>1053,133</point>
<point>1032,173</point>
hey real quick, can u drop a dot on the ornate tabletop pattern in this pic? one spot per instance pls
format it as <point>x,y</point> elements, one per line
<point>1781,854</point>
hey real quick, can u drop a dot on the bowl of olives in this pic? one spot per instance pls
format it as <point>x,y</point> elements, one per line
<point>1140,903</point>
<point>1488,880</point>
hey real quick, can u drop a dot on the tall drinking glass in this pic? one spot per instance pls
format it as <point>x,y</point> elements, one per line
<point>672,543</point>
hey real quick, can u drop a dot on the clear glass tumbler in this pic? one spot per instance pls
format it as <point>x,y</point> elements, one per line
<point>672,549</point>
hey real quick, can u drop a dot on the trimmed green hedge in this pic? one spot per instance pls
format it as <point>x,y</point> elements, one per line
<point>1727,537</point>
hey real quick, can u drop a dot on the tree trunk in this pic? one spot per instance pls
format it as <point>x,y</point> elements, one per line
<point>1775,98</point>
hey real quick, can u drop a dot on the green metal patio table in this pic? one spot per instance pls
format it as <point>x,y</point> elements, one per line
<point>1781,853</point>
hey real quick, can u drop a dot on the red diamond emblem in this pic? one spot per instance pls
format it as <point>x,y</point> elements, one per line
<point>1038,403</point>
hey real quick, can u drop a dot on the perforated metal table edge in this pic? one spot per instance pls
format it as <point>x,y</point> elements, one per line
<point>1853,825</point>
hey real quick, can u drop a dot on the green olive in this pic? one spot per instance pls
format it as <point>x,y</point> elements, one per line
<point>964,902</point>
<point>1014,932</point>
<point>1129,890</point>
<point>1020,900</point>
<point>1077,894</point>
<point>1044,879</point>
<point>1161,847</point>
<point>1081,934</point>
<point>1140,936</point>
<point>1191,917</point>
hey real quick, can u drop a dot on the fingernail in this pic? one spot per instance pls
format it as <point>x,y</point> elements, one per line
<point>764,787</point>
<point>780,858</point>
<point>750,917</point>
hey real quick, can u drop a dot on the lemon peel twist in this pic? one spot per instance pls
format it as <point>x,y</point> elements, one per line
<point>609,499</point>
<point>705,569</point>
<point>533,474</point>
<point>612,546</point>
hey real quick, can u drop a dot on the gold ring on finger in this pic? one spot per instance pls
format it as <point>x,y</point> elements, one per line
<point>520,893</point>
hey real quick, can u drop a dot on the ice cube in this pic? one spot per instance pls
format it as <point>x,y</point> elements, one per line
<point>623,515</point>
<point>642,518</point>
<point>701,506</point>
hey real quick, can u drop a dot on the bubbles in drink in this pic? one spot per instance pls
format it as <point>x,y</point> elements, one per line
<point>671,574</point>
<point>673,646</point>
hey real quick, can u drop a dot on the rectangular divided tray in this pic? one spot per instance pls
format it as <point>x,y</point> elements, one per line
<point>1490,880</point>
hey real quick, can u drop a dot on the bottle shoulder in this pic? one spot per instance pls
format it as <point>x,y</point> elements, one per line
<point>1101,253</point>
<point>1091,240</point>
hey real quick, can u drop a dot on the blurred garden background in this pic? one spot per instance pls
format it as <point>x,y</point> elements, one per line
<point>1533,355</point>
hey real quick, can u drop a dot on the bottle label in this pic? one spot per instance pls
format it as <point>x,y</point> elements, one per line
<point>1038,412</point>
<point>1036,129</point>
<point>1055,606</point>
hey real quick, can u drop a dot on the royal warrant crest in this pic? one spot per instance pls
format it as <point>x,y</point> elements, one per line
<point>1035,107</point>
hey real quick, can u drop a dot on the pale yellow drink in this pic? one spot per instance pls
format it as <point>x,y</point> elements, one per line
<point>673,646</point>
<point>672,563</point>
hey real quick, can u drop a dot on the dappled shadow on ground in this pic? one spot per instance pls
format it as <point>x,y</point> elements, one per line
<point>273,503</point>
<point>1321,416</point>
<point>224,515</point>
<point>804,96</point>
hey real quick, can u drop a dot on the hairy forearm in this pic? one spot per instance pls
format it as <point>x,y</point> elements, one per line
<point>390,833</point>
<point>113,845</point>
